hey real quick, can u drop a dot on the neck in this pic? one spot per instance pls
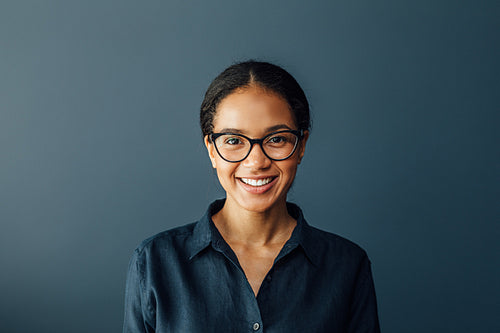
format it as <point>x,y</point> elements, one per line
<point>238,225</point>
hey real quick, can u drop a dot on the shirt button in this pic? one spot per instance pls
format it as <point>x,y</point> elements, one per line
<point>268,278</point>
<point>256,326</point>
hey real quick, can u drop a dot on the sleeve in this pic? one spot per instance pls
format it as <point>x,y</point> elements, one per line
<point>364,317</point>
<point>137,317</point>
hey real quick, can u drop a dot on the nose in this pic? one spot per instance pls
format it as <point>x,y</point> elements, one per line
<point>256,159</point>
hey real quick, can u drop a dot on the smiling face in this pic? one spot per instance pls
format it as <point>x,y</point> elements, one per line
<point>257,183</point>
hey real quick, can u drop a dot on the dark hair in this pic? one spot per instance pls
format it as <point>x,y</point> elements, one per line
<point>263,74</point>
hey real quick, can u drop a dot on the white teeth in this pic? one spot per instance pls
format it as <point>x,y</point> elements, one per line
<point>255,182</point>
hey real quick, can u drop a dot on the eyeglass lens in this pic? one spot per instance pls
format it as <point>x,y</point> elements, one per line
<point>234,147</point>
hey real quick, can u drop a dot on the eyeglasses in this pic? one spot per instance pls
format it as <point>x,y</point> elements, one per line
<point>277,146</point>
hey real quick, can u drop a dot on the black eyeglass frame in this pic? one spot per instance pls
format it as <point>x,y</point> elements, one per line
<point>298,134</point>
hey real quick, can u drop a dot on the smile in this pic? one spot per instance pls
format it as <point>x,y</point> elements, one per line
<point>257,182</point>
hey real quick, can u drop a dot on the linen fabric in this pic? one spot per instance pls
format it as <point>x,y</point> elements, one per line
<point>189,280</point>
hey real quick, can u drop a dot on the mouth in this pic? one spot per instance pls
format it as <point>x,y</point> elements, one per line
<point>258,185</point>
<point>257,182</point>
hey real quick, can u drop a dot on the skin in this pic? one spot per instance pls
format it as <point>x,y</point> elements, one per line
<point>255,225</point>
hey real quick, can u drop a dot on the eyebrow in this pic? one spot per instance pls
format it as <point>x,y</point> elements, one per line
<point>267,130</point>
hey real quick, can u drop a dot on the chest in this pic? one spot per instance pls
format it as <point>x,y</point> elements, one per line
<point>256,263</point>
<point>213,292</point>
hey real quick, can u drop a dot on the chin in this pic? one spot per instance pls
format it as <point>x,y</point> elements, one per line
<point>258,205</point>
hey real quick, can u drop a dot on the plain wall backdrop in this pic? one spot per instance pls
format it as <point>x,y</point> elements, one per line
<point>100,145</point>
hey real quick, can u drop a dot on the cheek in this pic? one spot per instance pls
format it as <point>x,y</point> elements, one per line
<point>291,170</point>
<point>225,172</point>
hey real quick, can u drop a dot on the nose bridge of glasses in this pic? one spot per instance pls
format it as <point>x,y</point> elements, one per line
<point>256,156</point>
<point>257,142</point>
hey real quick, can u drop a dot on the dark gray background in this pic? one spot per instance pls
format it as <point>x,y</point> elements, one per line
<point>100,146</point>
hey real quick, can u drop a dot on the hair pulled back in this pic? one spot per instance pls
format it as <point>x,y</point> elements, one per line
<point>263,74</point>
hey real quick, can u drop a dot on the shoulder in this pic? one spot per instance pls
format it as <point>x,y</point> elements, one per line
<point>324,246</point>
<point>166,241</point>
<point>335,240</point>
<point>332,247</point>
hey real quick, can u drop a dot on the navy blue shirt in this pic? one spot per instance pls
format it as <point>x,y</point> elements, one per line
<point>189,280</point>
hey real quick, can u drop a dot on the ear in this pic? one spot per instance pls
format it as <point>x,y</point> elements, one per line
<point>302,147</point>
<point>211,150</point>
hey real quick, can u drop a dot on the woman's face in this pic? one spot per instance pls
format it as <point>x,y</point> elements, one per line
<point>255,112</point>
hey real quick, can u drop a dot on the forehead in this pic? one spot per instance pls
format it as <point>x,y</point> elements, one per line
<point>253,110</point>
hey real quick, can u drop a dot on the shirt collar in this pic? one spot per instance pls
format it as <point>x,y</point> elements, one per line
<point>302,235</point>
<point>202,233</point>
<point>205,233</point>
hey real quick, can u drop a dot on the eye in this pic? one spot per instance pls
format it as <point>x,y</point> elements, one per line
<point>232,141</point>
<point>277,139</point>
<point>281,140</point>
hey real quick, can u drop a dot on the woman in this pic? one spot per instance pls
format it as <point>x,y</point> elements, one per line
<point>252,263</point>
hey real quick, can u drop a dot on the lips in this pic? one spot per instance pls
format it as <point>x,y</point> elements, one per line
<point>257,185</point>
<point>257,182</point>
